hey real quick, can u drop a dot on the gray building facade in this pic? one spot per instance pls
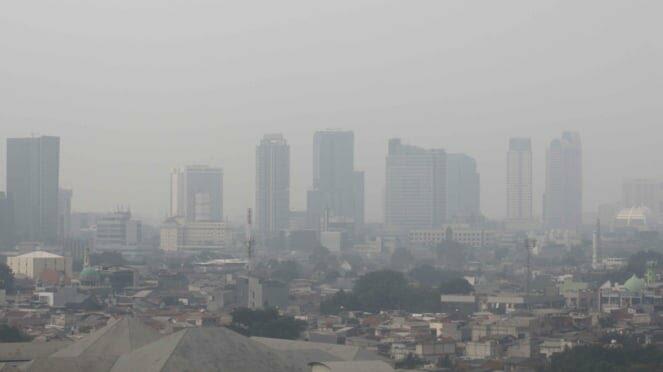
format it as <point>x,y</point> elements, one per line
<point>463,188</point>
<point>562,202</point>
<point>416,187</point>
<point>272,202</point>
<point>33,179</point>
<point>338,190</point>
<point>196,193</point>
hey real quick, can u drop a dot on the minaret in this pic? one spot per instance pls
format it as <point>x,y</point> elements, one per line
<point>596,246</point>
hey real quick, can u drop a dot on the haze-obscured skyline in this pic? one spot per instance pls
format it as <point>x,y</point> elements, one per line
<point>135,88</point>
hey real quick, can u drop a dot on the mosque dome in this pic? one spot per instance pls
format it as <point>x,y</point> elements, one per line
<point>635,284</point>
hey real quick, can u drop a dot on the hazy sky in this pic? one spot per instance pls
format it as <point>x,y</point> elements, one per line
<point>136,87</point>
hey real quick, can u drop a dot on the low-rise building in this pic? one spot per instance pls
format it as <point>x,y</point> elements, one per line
<point>181,235</point>
<point>34,264</point>
<point>476,238</point>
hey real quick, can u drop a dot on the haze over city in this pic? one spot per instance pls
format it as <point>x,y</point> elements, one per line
<point>199,82</point>
<point>346,186</point>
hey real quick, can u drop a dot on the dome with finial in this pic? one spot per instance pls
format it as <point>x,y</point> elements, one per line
<point>89,275</point>
<point>635,284</point>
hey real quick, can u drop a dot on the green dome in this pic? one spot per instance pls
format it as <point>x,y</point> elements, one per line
<point>635,284</point>
<point>89,274</point>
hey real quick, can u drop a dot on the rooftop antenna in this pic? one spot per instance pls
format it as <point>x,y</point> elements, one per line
<point>249,239</point>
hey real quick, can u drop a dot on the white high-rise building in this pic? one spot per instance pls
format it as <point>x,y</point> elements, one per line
<point>196,193</point>
<point>416,187</point>
<point>562,202</point>
<point>272,185</point>
<point>519,180</point>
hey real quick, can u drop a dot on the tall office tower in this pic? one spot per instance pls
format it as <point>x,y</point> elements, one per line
<point>563,197</point>
<point>33,179</point>
<point>337,189</point>
<point>272,185</point>
<point>463,188</point>
<point>6,222</point>
<point>64,213</point>
<point>643,192</point>
<point>519,180</point>
<point>196,193</point>
<point>416,187</point>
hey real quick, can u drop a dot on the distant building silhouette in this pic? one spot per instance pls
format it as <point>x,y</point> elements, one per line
<point>519,179</point>
<point>33,179</point>
<point>338,190</point>
<point>563,197</point>
<point>416,187</point>
<point>272,185</point>
<point>64,213</point>
<point>643,192</point>
<point>463,188</point>
<point>6,222</point>
<point>196,193</point>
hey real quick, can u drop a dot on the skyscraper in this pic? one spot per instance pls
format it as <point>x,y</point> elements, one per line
<point>563,197</point>
<point>6,222</point>
<point>416,187</point>
<point>519,180</point>
<point>33,178</point>
<point>337,187</point>
<point>463,188</point>
<point>64,213</point>
<point>196,193</point>
<point>272,185</point>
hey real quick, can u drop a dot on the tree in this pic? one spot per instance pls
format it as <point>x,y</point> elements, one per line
<point>6,278</point>
<point>339,302</point>
<point>266,323</point>
<point>456,286</point>
<point>430,276</point>
<point>597,358</point>
<point>401,259</point>
<point>382,290</point>
<point>285,271</point>
<point>12,334</point>
<point>410,362</point>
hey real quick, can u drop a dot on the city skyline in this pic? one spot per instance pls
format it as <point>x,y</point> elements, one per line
<point>137,118</point>
<point>299,203</point>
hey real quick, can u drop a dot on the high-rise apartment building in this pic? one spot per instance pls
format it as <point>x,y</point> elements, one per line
<point>416,187</point>
<point>563,197</point>
<point>463,188</point>
<point>519,180</point>
<point>6,222</point>
<point>338,190</point>
<point>196,193</point>
<point>272,185</point>
<point>33,179</point>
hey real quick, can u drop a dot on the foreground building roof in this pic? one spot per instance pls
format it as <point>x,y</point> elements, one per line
<point>100,350</point>
<point>206,349</point>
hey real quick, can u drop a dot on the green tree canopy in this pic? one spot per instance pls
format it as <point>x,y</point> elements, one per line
<point>266,323</point>
<point>456,286</point>
<point>6,278</point>
<point>12,334</point>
